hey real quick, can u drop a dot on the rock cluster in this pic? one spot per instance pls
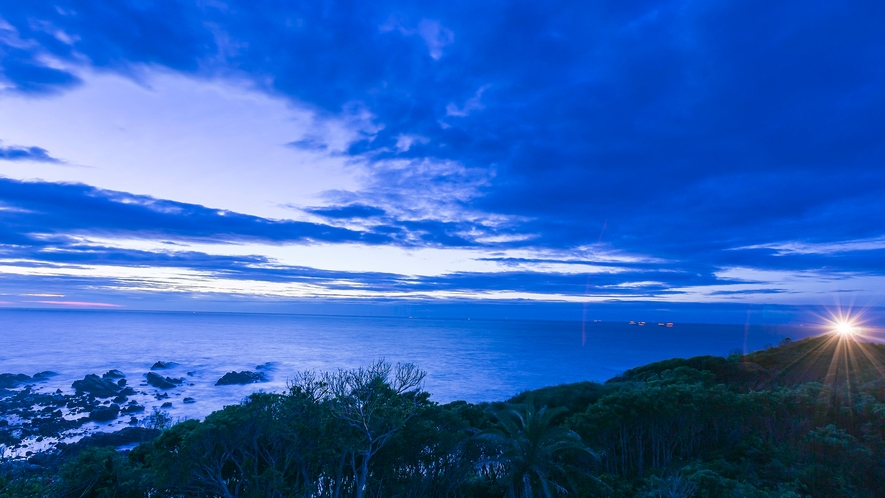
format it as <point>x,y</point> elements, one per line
<point>163,365</point>
<point>101,387</point>
<point>104,413</point>
<point>161,382</point>
<point>28,415</point>
<point>8,380</point>
<point>244,377</point>
<point>113,374</point>
<point>38,414</point>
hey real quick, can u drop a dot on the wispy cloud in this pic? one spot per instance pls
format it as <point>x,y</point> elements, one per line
<point>799,247</point>
<point>77,304</point>
<point>18,153</point>
<point>436,36</point>
<point>472,104</point>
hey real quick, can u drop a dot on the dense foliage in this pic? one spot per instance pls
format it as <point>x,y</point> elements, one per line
<point>803,419</point>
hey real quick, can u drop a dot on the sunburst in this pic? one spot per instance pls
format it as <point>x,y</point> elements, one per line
<point>843,355</point>
<point>847,329</point>
<point>851,345</point>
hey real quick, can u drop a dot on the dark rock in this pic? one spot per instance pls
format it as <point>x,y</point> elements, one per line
<point>104,413</point>
<point>244,377</point>
<point>121,399</point>
<point>121,382</point>
<point>191,373</point>
<point>167,404</point>
<point>188,401</point>
<point>44,375</point>
<point>81,402</point>
<point>133,409</point>
<point>133,420</point>
<point>96,386</point>
<point>160,382</point>
<point>127,391</point>
<point>50,425</point>
<point>163,365</point>
<point>113,374</point>
<point>162,396</point>
<point>9,380</point>
<point>4,422</point>
<point>267,366</point>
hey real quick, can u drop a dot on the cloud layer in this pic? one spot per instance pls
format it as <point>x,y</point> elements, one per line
<point>706,141</point>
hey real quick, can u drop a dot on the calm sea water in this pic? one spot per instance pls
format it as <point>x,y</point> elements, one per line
<point>465,359</point>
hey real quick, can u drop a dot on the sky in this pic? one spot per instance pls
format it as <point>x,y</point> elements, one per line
<point>210,155</point>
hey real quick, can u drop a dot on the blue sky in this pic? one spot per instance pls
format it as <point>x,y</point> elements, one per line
<point>228,155</point>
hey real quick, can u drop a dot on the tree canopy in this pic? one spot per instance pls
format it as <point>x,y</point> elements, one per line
<point>806,419</point>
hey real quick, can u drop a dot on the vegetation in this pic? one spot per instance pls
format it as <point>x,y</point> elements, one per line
<point>806,419</point>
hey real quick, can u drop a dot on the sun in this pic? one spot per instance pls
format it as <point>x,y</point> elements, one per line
<point>846,328</point>
<point>845,324</point>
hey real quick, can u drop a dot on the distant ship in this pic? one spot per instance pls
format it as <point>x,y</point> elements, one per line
<point>660,324</point>
<point>670,324</point>
<point>632,322</point>
<point>641,324</point>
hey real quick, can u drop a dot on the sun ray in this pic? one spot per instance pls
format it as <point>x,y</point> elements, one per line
<point>851,350</point>
<point>864,348</point>
<point>810,357</point>
<point>830,377</point>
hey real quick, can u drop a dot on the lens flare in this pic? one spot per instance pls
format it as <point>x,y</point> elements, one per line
<point>846,329</point>
<point>846,323</point>
<point>845,354</point>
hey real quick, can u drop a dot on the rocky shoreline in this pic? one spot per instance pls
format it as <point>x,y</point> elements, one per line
<point>37,422</point>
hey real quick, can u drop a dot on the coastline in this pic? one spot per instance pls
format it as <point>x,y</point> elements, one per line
<point>802,404</point>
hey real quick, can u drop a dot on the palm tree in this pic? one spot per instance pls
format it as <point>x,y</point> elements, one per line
<point>530,449</point>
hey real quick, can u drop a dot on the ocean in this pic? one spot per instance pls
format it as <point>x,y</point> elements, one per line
<point>472,360</point>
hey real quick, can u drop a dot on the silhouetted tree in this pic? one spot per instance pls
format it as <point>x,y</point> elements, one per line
<point>531,449</point>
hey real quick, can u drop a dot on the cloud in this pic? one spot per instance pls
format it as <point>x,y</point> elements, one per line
<point>44,212</point>
<point>18,153</point>
<point>436,36</point>
<point>746,292</point>
<point>22,71</point>
<point>405,142</point>
<point>77,304</point>
<point>349,211</point>
<point>113,269</point>
<point>472,104</point>
<point>663,122</point>
<point>311,144</point>
<point>832,248</point>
